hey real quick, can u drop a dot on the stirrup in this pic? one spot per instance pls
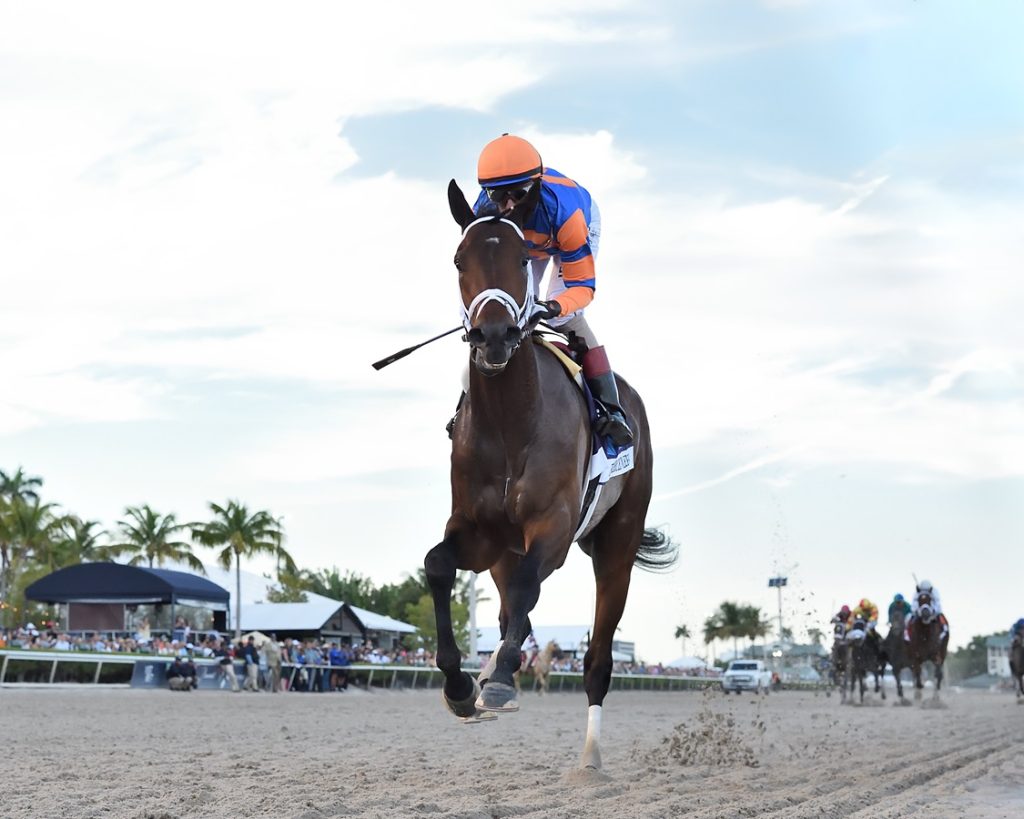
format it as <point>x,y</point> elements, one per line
<point>614,427</point>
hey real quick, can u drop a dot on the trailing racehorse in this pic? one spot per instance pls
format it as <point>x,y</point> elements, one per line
<point>859,656</point>
<point>929,639</point>
<point>1017,667</point>
<point>520,453</point>
<point>896,651</point>
<point>839,659</point>
<point>542,666</point>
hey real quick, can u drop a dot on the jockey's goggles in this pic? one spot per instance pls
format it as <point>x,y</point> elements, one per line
<point>517,193</point>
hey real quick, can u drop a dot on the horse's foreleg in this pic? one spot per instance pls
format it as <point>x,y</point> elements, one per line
<point>522,590</point>
<point>918,684</point>
<point>460,689</point>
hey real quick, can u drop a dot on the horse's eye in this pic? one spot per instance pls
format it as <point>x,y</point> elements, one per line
<point>526,261</point>
<point>458,262</point>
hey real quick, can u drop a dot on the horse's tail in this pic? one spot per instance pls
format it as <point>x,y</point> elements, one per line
<point>657,552</point>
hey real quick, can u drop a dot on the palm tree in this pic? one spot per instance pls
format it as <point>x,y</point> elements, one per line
<point>815,635</point>
<point>754,624</point>
<point>18,485</point>
<point>683,632</point>
<point>33,533</point>
<point>241,533</point>
<point>714,630</point>
<point>82,541</point>
<point>149,536</point>
<point>16,488</point>
<point>731,624</point>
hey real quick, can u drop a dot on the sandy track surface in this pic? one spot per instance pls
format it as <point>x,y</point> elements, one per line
<point>87,752</point>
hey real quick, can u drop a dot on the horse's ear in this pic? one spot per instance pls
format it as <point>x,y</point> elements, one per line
<point>460,208</point>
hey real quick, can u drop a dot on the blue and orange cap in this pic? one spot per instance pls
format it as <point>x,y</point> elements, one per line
<point>507,160</point>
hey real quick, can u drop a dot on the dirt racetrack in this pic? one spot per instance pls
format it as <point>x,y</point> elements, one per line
<point>87,752</point>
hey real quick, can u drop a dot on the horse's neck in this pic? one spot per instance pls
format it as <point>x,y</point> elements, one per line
<point>508,402</point>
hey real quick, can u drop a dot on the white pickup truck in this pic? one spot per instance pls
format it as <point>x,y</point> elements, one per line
<point>747,675</point>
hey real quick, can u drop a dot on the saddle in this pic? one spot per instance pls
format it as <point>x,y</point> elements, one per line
<point>606,460</point>
<point>570,354</point>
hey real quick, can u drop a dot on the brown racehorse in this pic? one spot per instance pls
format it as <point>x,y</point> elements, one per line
<point>839,666</point>
<point>896,651</point>
<point>929,639</point>
<point>520,450</point>
<point>542,666</point>
<point>1017,666</point>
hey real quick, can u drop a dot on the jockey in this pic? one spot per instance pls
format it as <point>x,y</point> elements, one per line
<point>1017,630</point>
<point>898,604</point>
<point>531,650</point>
<point>562,224</point>
<point>841,618</point>
<point>925,587</point>
<point>866,610</point>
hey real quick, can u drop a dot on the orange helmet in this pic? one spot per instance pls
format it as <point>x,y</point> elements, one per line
<point>507,160</point>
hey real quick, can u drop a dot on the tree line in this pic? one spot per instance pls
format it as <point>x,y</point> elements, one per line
<point>37,537</point>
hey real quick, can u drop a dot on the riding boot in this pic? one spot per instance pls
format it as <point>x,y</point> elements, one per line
<point>601,380</point>
<point>450,426</point>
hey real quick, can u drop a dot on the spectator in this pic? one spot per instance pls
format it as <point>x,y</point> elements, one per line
<point>272,651</point>
<point>191,672</point>
<point>180,677</point>
<point>301,676</point>
<point>339,660</point>
<point>226,668</point>
<point>252,665</point>
<point>313,658</point>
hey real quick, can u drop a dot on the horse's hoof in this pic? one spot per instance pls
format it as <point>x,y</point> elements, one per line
<point>466,707</point>
<point>479,716</point>
<point>497,696</point>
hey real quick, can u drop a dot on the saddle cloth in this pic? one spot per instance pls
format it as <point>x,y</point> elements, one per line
<point>606,461</point>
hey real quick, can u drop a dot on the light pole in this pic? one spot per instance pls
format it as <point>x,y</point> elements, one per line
<point>778,583</point>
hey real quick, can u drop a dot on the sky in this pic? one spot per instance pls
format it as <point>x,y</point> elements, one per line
<point>214,218</point>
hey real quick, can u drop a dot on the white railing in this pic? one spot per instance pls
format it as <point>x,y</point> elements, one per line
<point>46,666</point>
<point>55,658</point>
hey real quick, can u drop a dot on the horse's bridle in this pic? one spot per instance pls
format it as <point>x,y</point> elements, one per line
<point>520,314</point>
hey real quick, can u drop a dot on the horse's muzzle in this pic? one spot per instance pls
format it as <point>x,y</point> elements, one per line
<point>493,346</point>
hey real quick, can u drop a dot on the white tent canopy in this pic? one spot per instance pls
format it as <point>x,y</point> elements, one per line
<point>687,662</point>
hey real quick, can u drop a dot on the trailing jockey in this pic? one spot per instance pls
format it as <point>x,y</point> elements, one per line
<point>839,622</point>
<point>868,613</point>
<point>899,603</point>
<point>562,225</point>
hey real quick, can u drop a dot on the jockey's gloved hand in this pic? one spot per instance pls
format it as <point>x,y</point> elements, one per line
<point>546,310</point>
